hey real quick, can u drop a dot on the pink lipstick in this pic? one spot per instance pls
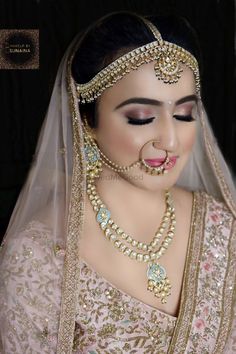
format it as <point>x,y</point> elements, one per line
<point>159,161</point>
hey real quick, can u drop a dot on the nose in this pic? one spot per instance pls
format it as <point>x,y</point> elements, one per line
<point>166,136</point>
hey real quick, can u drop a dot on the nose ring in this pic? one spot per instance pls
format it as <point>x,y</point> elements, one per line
<point>160,169</point>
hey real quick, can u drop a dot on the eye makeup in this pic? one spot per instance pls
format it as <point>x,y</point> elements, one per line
<point>183,113</point>
<point>139,116</point>
<point>184,118</point>
<point>137,121</point>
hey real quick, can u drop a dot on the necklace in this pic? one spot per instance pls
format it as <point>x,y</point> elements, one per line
<point>158,282</point>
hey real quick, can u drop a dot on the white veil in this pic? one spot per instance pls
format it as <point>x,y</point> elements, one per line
<point>54,191</point>
<point>206,168</point>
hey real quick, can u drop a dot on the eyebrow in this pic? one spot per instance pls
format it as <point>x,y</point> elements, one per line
<point>150,101</point>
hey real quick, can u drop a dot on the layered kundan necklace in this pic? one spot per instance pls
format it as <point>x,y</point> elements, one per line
<point>157,280</point>
<point>168,58</point>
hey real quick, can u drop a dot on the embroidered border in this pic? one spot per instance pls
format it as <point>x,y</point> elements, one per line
<point>188,297</point>
<point>184,325</point>
<point>75,224</point>
<point>228,295</point>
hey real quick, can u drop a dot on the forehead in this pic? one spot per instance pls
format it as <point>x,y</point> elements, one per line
<point>144,83</point>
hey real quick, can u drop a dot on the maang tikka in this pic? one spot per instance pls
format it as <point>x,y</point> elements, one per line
<point>167,56</point>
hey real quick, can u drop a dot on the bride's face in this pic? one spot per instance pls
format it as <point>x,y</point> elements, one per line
<point>140,108</point>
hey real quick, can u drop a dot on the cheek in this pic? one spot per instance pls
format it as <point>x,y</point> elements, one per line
<point>119,140</point>
<point>187,137</point>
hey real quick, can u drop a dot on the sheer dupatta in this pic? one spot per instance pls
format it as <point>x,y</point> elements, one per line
<point>54,192</point>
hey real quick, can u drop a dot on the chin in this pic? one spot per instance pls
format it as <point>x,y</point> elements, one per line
<point>156,183</point>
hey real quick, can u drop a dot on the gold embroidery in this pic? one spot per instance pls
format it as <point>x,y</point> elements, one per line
<point>116,321</point>
<point>28,301</point>
<point>28,252</point>
<point>62,150</point>
<point>75,225</point>
<point>181,332</point>
<point>206,309</point>
<point>107,330</point>
<point>228,297</point>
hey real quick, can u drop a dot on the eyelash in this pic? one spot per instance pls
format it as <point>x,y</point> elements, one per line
<point>135,121</point>
<point>187,118</point>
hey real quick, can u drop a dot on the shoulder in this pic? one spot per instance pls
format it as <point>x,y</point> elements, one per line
<point>29,246</point>
<point>30,279</point>
<point>212,210</point>
<point>185,197</point>
<point>30,255</point>
<point>217,210</point>
<point>217,225</point>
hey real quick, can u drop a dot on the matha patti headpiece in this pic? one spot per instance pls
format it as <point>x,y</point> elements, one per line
<point>168,57</point>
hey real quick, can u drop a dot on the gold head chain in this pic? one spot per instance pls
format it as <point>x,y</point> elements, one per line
<point>168,57</point>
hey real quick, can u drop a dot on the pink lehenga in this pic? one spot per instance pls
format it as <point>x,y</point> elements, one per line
<point>108,320</point>
<point>52,301</point>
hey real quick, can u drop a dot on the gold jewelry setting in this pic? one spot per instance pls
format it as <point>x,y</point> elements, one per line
<point>158,282</point>
<point>159,170</point>
<point>168,57</point>
<point>154,171</point>
<point>95,157</point>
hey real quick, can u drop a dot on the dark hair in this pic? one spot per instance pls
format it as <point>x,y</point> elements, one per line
<point>116,34</point>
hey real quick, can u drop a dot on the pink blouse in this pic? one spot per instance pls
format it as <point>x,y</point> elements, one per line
<point>109,320</point>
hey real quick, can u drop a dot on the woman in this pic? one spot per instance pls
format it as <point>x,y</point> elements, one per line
<point>123,240</point>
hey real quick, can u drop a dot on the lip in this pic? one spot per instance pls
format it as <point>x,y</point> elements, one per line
<point>159,161</point>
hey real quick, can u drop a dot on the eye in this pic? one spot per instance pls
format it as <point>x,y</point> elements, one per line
<point>187,118</point>
<point>136,121</point>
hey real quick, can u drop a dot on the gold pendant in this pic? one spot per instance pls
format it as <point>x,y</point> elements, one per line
<point>158,282</point>
<point>168,69</point>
